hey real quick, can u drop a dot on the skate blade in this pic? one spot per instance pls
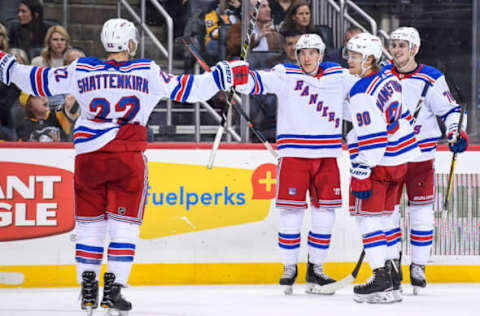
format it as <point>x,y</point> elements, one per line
<point>89,310</point>
<point>115,312</point>
<point>397,296</point>
<point>316,289</point>
<point>288,289</point>
<point>375,298</point>
<point>416,290</point>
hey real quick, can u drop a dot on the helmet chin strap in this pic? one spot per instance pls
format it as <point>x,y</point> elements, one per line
<point>364,69</point>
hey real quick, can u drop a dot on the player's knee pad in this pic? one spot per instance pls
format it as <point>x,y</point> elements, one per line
<point>290,220</point>
<point>421,217</point>
<point>322,219</point>
<point>91,233</point>
<point>369,224</point>
<point>123,232</point>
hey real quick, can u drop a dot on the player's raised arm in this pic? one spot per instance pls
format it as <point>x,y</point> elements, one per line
<point>38,81</point>
<point>192,88</point>
<point>266,81</point>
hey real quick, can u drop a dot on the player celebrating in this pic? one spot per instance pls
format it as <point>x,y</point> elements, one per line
<point>310,104</point>
<point>116,98</point>
<point>381,142</point>
<point>422,82</point>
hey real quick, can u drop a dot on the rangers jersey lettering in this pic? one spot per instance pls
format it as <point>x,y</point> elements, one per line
<point>429,82</point>
<point>382,133</point>
<point>310,109</point>
<point>112,94</point>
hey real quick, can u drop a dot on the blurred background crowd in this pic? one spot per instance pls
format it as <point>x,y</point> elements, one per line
<point>33,32</point>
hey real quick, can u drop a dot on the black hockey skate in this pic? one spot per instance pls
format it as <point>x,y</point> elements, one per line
<point>417,277</point>
<point>89,292</point>
<point>316,278</point>
<point>377,290</point>
<point>112,299</point>
<point>395,270</point>
<point>288,278</point>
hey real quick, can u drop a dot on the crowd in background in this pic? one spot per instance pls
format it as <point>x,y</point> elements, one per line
<point>279,25</point>
<point>36,40</point>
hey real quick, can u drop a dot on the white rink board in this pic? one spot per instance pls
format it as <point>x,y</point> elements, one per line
<point>251,242</point>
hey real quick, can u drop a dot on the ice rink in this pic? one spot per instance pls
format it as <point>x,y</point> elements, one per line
<point>452,299</point>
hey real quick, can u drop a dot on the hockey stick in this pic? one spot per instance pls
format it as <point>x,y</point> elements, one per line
<point>235,105</point>
<point>243,56</point>
<point>332,287</point>
<point>461,98</point>
<point>420,101</point>
<point>454,157</point>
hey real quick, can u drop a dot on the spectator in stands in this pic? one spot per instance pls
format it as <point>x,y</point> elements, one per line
<point>264,37</point>
<point>17,112</point>
<point>298,18</point>
<point>31,31</point>
<point>3,38</point>
<point>289,41</point>
<point>227,12</point>
<point>8,9</point>
<point>56,43</point>
<point>20,55</point>
<point>279,10</point>
<point>340,55</point>
<point>41,124</point>
<point>7,96</point>
<point>71,55</point>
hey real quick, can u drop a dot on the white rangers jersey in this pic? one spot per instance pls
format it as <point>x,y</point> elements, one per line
<point>112,94</point>
<point>309,114</point>
<point>382,133</point>
<point>430,83</point>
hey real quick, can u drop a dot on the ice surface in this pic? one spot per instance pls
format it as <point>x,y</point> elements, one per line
<point>452,299</point>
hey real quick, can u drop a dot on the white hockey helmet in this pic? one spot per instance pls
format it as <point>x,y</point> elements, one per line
<point>367,45</point>
<point>309,41</point>
<point>117,33</point>
<point>409,34</point>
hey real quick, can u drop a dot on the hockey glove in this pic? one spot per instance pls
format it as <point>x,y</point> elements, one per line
<point>360,182</point>
<point>457,143</point>
<point>7,62</point>
<point>230,73</point>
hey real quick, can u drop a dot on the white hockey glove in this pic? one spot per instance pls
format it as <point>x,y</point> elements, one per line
<point>360,182</point>
<point>7,62</point>
<point>230,73</point>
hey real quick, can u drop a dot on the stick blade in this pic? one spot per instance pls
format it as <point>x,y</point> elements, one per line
<point>11,278</point>
<point>216,144</point>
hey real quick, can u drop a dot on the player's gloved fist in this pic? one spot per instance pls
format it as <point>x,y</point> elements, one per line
<point>7,62</point>
<point>457,143</point>
<point>360,182</point>
<point>230,73</point>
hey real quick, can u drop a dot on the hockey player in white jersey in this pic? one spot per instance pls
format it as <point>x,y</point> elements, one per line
<point>116,98</point>
<point>309,138</point>
<point>426,94</point>
<point>380,144</point>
